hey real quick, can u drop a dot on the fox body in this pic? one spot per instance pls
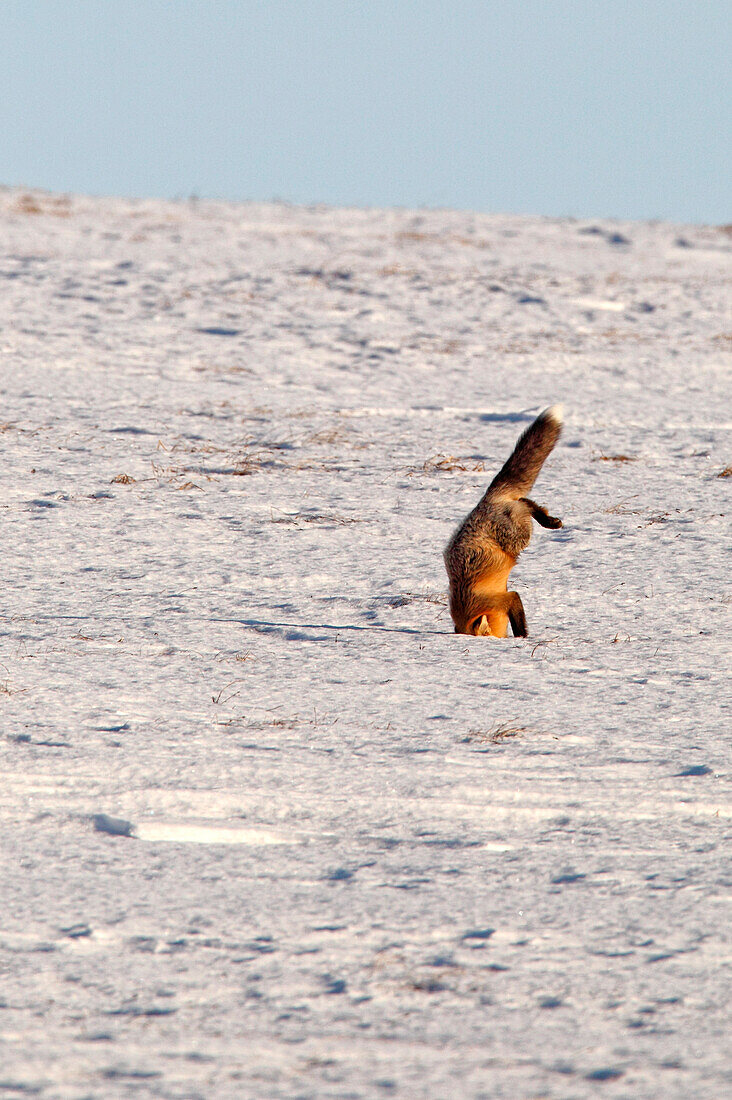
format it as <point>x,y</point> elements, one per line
<point>485,547</point>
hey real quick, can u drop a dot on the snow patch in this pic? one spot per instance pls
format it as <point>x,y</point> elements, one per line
<point>202,833</point>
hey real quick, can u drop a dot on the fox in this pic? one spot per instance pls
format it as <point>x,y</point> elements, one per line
<point>485,547</point>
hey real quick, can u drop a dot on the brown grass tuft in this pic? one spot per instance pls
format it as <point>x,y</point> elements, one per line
<point>497,734</point>
<point>322,519</point>
<point>441,464</point>
<point>29,204</point>
<point>622,509</point>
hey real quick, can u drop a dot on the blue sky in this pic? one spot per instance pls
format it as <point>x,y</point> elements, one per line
<point>579,107</point>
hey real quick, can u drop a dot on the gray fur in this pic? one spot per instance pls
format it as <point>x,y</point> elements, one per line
<point>517,476</point>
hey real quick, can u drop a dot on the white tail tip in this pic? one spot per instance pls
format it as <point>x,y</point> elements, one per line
<point>556,412</point>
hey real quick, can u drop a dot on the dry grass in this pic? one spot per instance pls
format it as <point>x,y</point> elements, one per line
<point>617,336</point>
<point>8,689</point>
<point>437,598</point>
<point>441,464</point>
<point>250,464</point>
<point>449,347</point>
<point>398,269</point>
<point>58,206</point>
<point>323,519</point>
<point>328,436</point>
<point>410,235</point>
<point>413,235</point>
<point>290,721</point>
<point>497,734</point>
<point>622,509</point>
<point>726,472</point>
<point>243,466</point>
<point>275,723</point>
<point>613,458</point>
<point>238,462</point>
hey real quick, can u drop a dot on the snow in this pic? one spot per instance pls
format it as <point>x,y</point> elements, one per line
<point>270,829</point>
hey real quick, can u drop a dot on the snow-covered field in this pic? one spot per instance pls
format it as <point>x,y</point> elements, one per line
<point>365,857</point>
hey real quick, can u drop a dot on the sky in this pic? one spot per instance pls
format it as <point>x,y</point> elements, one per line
<point>601,108</point>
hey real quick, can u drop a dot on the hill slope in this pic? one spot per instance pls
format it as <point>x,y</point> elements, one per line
<point>365,856</point>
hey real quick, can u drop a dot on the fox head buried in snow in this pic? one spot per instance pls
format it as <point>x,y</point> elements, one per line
<point>479,627</point>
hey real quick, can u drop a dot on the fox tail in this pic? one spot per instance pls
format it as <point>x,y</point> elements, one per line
<point>516,477</point>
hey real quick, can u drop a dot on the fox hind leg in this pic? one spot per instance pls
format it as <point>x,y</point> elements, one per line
<point>541,515</point>
<point>517,616</point>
